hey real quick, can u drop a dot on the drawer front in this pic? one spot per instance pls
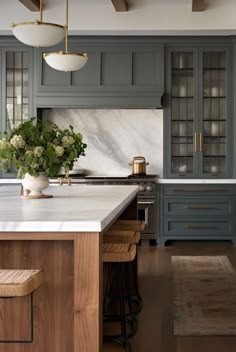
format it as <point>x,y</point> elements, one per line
<point>200,228</point>
<point>199,190</point>
<point>197,207</point>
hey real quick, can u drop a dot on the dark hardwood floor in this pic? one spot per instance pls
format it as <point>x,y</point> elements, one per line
<point>155,332</point>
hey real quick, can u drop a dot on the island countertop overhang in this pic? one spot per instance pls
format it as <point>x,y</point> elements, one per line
<point>79,208</point>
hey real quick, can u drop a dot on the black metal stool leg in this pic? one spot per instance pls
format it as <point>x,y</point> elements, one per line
<point>136,297</point>
<point>122,339</point>
<point>133,319</point>
<point>126,343</point>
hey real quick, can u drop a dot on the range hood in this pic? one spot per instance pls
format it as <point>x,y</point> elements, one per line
<point>108,101</point>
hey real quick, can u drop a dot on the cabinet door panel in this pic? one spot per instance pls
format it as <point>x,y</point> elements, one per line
<point>192,227</point>
<point>213,113</point>
<point>115,69</point>
<point>151,62</point>
<point>89,75</point>
<point>17,88</point>
<point>206,190</point>
<point>17,80</point>
<point>181,122</point>
<point>51,77</point>
<point>197,130</point>
<point>198,207</point>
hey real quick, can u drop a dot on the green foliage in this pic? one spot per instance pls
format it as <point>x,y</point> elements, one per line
<point>37,146</point>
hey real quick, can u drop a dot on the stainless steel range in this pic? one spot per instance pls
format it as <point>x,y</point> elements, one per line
<point>148,198</point>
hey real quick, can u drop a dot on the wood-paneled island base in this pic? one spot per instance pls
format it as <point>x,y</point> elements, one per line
<point>62,235</point>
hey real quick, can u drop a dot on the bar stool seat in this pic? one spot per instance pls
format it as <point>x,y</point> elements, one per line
<point>128,237</point>
<point>121,236</point>
<point>18,283</point>
<point>128,231</point>
<point>129,225</point>
<point>116,252</point>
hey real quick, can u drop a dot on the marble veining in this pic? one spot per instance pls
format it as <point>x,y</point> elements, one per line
<point>114,137</point>
<point>76,208</point>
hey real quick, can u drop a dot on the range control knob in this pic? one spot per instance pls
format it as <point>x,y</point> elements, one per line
<point>149,187</point>
<point>142,187</point>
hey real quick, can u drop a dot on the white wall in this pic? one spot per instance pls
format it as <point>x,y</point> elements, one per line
<point>144,16</point>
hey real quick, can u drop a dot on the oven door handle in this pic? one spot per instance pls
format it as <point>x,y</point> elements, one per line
<point>146,217</point>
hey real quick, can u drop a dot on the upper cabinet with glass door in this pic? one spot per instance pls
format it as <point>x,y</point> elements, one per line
<point>17,87</point>
<point>214,126</point>
<point>182,113</point>
<point>197,142</point>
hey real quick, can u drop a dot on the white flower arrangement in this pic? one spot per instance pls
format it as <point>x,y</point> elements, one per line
<point>36,147</point>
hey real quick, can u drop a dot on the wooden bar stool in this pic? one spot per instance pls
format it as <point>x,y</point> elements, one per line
<point>123,228</point>
<point>18,283</point>
<point>121,236</point>
<point>118,256</point>
<point>135,225</point>
<point>127,237</point>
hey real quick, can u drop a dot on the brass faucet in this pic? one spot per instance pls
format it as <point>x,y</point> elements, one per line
<point>65,180</point>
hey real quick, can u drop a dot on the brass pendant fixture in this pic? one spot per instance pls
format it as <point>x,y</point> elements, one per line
<point>65,60</point>
<point>39,33</point>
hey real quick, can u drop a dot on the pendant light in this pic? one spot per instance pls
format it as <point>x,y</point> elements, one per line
<point>39,33</point>
<point>65,60</point>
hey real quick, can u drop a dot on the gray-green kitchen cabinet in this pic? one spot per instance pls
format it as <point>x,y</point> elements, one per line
<point>197,212</point>
<point>16,62</point>
<point>120,73</point>
<point>198,121</point>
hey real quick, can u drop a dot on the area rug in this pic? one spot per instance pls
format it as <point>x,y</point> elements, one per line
<point>204,295</point>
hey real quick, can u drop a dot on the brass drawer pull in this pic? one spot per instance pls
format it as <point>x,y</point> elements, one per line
<point>195,142</point>
<point>200,142</point>
<point>199,206</point>
<point>200,227</point>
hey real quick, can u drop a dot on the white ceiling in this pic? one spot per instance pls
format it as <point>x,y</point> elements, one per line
<point>145,17</point>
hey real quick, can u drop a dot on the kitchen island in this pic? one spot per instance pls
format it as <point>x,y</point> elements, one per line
<point>63,236</point>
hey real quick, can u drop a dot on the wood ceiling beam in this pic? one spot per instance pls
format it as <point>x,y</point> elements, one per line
<point>198,5</point>
<point>120,5</point>
<point>32,5</point>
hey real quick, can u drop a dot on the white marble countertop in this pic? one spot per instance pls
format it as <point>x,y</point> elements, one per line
<point>160,180</point>
<point>197,181</point>
<point>8,181</point>
<point>73,208</point>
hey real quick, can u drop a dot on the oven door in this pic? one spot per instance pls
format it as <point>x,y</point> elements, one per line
<point>147,212</point>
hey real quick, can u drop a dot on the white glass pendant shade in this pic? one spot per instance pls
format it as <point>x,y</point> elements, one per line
<point>65,61</point>
<point>39,34</point>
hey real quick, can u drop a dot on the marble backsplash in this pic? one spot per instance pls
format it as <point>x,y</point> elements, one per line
<point>114,137</point>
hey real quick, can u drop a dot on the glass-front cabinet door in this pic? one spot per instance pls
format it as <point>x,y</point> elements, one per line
<point>196,140</point>
<point>214,131</point>
<point>182,113</point>
<point>17,88</point>
<point>181,110</point>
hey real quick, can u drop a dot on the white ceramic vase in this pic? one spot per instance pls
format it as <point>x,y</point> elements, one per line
<point>34,185</point>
